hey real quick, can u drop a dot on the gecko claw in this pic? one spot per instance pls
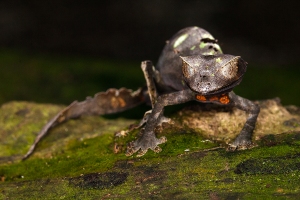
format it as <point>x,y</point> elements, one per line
<point>130,149</point>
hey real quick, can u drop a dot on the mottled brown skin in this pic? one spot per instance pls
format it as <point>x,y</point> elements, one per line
<point>191,67</point>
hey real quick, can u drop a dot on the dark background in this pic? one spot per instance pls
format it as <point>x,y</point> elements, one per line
<point>260,31</point>
<point>59,51</point>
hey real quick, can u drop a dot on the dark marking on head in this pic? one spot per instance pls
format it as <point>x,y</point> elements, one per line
<point>209,40</point>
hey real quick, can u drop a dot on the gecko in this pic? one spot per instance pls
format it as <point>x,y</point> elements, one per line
<point>191,67</point>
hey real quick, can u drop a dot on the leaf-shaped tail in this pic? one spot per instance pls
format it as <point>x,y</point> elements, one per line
<point>111,101</point>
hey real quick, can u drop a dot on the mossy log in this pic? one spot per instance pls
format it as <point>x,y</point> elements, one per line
<point>78,158</point>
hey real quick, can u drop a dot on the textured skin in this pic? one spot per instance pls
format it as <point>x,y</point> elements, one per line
<point>187,42</point>
<point>210,74</point>
<point>191,67</point>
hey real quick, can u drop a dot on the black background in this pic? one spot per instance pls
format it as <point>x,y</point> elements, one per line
<point>265,32</point>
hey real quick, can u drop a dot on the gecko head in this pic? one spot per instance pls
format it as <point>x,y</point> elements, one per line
<point>213,74</point>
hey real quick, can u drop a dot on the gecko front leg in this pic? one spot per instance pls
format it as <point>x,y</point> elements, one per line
<point>148,139</point>
<point>243,140</point>
<point>150,75</point>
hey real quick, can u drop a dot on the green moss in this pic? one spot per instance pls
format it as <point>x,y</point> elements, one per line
<point>188,167</point>
<point>88,168</point>
<point>17,118</point>
<point>86,155</point>
<point>205,173</point>
<point>270,165</point>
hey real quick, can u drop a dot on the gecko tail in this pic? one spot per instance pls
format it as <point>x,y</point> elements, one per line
<point>111,101</point>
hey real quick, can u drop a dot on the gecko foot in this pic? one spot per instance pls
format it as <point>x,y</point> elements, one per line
<point>142,145</point>
<point>240,143</point>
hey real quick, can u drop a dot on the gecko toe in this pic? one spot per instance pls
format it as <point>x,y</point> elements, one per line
<point>131,148</point>
<point>141,152</point>
<point>162,140</point>
<point>157,149</point>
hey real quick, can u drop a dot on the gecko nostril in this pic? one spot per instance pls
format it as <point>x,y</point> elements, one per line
<point>204,78</point>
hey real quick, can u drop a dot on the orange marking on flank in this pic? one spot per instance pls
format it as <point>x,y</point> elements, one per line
<point>223,98</point>
<point>200,97</point>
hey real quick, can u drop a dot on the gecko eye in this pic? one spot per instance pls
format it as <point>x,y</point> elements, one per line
<point>230,69</point>
<point>185,69</point>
